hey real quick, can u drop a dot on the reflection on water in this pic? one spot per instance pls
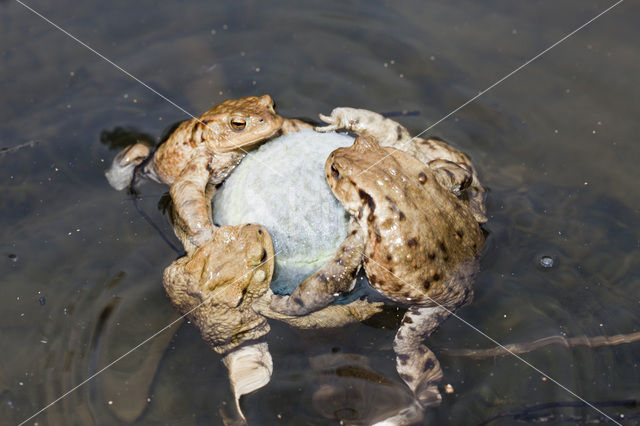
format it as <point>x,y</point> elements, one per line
<point>555,143</point>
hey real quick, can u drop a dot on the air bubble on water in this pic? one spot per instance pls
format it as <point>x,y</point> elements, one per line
<point>546,261</point>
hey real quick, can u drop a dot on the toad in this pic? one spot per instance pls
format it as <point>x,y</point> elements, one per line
<point>223,288</point>
<point>416,241</point>
<point>198,155</point>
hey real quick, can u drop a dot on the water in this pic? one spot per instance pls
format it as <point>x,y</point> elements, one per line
<point>556,144</point>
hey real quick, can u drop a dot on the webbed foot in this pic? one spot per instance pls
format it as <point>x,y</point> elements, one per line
<point>121,171</point>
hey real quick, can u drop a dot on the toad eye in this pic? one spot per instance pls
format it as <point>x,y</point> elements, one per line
<point>238,123</point>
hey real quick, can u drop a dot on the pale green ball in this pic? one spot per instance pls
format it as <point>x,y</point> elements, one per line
<point>282,186</point>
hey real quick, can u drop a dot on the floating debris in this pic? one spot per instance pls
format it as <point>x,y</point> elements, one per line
<point>12,149</point>
<point>546,261</point>
<point>42,300</point>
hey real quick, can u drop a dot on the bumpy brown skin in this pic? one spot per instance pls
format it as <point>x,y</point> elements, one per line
<point>233,125</point>
<point>200,154</point>
<point>420,249</point>
<point>453,168</point>
<point>417,232</point>
<point>217,285</point>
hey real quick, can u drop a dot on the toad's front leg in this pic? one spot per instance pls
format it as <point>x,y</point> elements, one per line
<point>191,194</point>
<point>337,276</point>
<point>364,122</point>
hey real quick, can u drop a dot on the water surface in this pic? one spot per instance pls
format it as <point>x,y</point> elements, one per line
<point>556,144</point>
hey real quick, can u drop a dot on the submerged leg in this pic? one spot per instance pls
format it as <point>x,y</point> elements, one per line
<point>337,276</point>
<point>416,364</point>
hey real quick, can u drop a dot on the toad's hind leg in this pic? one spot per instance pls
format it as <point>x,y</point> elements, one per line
<point>455,177</point>
<point>440,155</point>
<point>337,276</point>
<point>416,364</point>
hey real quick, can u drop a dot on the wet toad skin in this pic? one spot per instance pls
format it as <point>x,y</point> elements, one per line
<point>453,168</point>
<point>198,155</point>
<point>420,246</point>
<point>217,285</point>
<point>417,232</point>
<point>416,241</point>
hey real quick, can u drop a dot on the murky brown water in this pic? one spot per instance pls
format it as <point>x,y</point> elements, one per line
<point>557,144</point>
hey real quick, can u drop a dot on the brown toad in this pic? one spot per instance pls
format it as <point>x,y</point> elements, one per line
<point>223,288</point>
<point>416,241</point>
<point>198,155</point>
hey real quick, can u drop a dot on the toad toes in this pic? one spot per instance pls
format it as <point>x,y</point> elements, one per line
<point>416,241</point>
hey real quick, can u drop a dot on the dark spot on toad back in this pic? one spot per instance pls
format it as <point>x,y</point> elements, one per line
<point>364,196</point>
<point>399,132</point>
<point>422,178</point>
<point>429,365</point>
<point>431,255</point>
<point>412,243</point>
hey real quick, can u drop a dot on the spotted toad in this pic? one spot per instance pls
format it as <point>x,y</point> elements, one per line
<point>416,241</point>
